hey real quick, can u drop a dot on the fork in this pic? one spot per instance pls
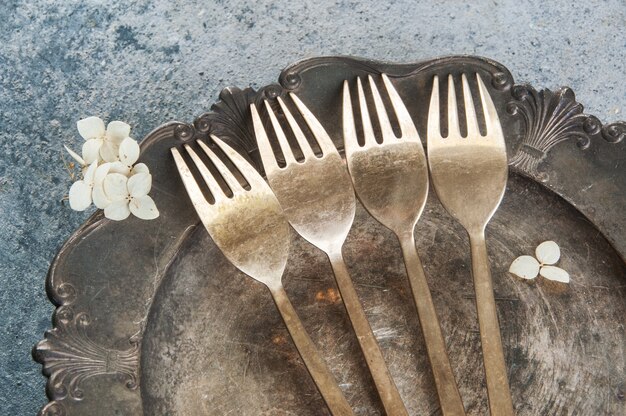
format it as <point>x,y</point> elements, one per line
<point>318,200</point>
<point>391,181</point>
<point>250,228</point>
<point>469,175</point>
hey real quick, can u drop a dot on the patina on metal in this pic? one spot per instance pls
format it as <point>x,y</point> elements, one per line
<point>469,175</point>
<point>317,197</point>
<point>390,178</point>
<point>151,294</point>
<point>250,229</point>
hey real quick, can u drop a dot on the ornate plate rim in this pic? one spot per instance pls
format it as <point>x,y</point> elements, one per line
<point>539,111</point>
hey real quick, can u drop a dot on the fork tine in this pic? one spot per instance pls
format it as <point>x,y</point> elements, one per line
<point>305,147</point>
<point>280,135</point>
<point>492,122</point>
<point>263,143</point>
<point>229,178</point>
<point>247,171</point>
<point>350,142</point>
<point>434,128</point>
<point>323,140</point>
<point>470,111</point>
<point>368,130</point>
<point>407,127</point>
<point>207,176</point>
<point>453,113</point>
<point>199,202</point>
<point>383,120</point>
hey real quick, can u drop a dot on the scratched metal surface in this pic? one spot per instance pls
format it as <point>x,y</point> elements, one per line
<point>216,345</point>
<point>181,332</point>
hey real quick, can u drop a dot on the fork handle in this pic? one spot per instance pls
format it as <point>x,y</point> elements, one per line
<point>323,378</point>
<point>447,390</point>
<point>387,390</point>
<point>500,402</point>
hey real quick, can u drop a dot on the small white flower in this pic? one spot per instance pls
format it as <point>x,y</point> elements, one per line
<point>100,200</point>
<point>548,253</point>
<point>129,195</point>
<point>101,144</point>
<point>127,156</point>
<point>80,192</point>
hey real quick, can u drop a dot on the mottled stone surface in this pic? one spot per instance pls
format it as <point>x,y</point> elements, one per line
<point>147,62</point>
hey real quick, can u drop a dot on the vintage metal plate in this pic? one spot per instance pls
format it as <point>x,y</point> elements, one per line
<point>152,320</point>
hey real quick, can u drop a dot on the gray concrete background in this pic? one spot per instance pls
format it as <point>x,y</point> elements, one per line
<point>147,62</point>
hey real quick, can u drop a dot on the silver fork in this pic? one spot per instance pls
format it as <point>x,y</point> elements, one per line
<point>252,232</point>
<point>318,200</point>
<point>391,181</point>
<point>469,175</point>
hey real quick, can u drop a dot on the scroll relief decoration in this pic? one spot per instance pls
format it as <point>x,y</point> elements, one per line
<point>69,357</point>
<point>552,117</point>
<point>231,121</point>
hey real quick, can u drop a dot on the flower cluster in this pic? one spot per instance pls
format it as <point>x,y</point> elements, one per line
<point>547,253</point>
<point>110,177</point>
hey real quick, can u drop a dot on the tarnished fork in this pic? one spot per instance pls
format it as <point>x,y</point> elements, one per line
<point>317,197</point>
<point>469,175</point>
<point>250,228</point>
<point>391,181</point>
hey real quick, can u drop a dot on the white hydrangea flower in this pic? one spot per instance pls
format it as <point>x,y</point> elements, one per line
<point>129,195</point>
<point>100,200</point>
<point>111,179</point>
<point>127,156</point>
<point>80,192</point>
<point>101,144</point>
<point>548,253</point>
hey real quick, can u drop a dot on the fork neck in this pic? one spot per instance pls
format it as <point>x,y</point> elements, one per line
<point>406,235</point>
<point>335,254</point>
<point>476,234</point>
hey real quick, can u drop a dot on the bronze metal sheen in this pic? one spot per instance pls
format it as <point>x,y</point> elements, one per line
<point>250,229</point>
<point>391,181</point>
<point>318,200</point>
<point>469,175</point>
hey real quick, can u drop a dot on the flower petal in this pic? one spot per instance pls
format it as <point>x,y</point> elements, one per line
<point>101,173</point>
<point>117,210</point>
<point>140,168</point>
<point>115,186</point>
<point>548,252</point>
<point>100,198</point>
<point>144,207</point>
<point>91,150</point>
<point>117,131</point>
<point>129,151</point>
<point>525,267</point>
<point>80,196</point>
<point>139,184</point>
<point>91,128</point>
<point>75,156</point>
<point>555,273</point>
<point>119,167</point>
<point>90,173</point>
<point>109,151</point>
